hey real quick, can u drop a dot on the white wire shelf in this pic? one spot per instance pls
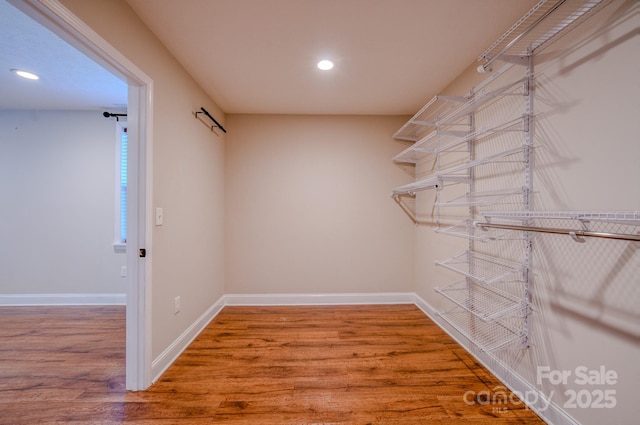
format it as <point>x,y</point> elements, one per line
<point>417,186</point>
<point>413,153</point>
<point>488,336</point>
<point>433,182</point>
<point>544,21</point>
<point>484,302</point>
<point>464,230</point>
<point>427,117</point>
<point>481,199</point>
<point>482,268</point>
<point>481,161</point>
<point>620,217</point>
<point>429,144</point>
<point>440,141</point>
<point>516,125</point>
<point>452,174</point>
<point>516,88</point>
<point>608,225</point>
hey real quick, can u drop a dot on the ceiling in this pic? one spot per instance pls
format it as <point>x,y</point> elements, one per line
<point>259,56</point>
<point>68,79</point>
<point>391,56</point>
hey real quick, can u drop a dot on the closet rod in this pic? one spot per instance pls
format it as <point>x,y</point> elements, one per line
<point>109,115</point>
<point>204,111</point>
<point>575,234</point>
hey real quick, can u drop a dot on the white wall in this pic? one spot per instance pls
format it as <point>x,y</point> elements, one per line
<point>57,216</point>
<point>188,175</point>
<point>309,208</point>
<point>585,296</point>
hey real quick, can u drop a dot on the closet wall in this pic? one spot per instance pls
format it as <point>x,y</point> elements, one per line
<point>585,296</point>
<point>308,208</point>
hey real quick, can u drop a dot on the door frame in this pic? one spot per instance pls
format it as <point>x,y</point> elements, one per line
<point>57,18</point>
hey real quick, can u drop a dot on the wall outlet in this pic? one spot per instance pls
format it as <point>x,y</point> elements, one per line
<point>123,271</point>
<point>176,305</point>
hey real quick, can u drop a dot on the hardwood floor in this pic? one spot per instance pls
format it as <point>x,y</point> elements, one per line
<point>385,364</point>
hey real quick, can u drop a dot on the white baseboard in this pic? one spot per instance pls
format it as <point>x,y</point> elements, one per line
<point>550,412</point>
<point>62,299</point>
<point>161,363</point>
<point>319,299</point>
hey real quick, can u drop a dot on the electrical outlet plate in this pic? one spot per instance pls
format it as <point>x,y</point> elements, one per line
<point>159,216</point>
<point>176,305</point>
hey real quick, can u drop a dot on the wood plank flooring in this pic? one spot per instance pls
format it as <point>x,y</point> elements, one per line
<point>384,364</point>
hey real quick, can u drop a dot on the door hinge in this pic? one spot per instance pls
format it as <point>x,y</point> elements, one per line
<point>142,253</point>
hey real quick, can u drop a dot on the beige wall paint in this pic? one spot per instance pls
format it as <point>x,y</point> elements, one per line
<point>585,295</point>
<point>588,294</point>
<point>188,174</point>
<point>309,208</point>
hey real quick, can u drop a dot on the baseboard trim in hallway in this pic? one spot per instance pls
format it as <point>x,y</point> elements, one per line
<point>16,300</point>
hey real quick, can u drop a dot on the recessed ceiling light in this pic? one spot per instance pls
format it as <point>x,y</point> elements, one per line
<point>25,74</point>
<point>325,65</point>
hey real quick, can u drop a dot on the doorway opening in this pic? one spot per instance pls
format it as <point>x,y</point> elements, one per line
<point>52,15</point>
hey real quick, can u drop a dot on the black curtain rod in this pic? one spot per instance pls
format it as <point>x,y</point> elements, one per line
<point>204,111</point>
<point>109,115</point>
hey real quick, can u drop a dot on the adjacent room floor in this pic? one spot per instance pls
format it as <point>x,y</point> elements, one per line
<point>382,364</point>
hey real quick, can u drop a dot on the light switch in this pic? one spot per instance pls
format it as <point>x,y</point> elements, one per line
<point>159,216</point>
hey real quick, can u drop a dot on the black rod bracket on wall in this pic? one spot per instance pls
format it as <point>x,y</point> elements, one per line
<point>109,115</point>
<point>217,124</point>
